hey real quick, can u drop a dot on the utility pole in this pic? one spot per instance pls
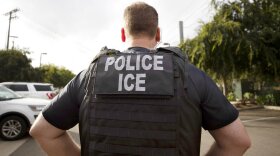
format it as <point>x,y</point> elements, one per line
<point>10,14</point>
<point>181,31</point>
<point>13,41</point>
<point>41,59</point>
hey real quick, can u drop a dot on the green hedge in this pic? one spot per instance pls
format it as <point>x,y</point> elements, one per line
<point>269,98</point>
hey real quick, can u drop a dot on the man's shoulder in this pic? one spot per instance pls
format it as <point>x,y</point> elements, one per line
<point>195,71</point>
<point>197,79</point>
<point>77,84</point>
<point>79,78</point>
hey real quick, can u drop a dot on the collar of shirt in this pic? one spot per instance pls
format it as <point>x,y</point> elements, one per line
<point>139,50</point>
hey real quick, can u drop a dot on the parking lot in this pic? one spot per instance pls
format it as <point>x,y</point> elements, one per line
<point>263,126</point>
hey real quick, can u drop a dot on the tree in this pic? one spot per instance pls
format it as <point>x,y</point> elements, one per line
<point>242,40</point>
<point>259,21</point>
<point>59,77</point>
<point>217,49</point>
<point>15,66</point>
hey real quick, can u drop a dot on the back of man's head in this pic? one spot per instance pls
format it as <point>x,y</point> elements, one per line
<point>141,20</point>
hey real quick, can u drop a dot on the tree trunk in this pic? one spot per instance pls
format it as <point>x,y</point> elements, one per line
<point>225,85</point>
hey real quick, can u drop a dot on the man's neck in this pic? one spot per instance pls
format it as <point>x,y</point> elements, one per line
<point>145,43</point>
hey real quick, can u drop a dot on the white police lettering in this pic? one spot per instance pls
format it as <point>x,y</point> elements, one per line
<point>122,64</point>
<point>134,81</point>
<point>128,66</point>
<point>137,62</point>
<point>144,66</point>
<point>109,61</point>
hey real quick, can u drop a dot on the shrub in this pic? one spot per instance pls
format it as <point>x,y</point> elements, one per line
<point>261,100</point>
<point>272,98</point>
<point>231,96</point>
<point>248,96</point>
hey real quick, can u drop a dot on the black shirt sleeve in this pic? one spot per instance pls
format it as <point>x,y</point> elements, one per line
<point>63,111</point>
<point>217,111</point>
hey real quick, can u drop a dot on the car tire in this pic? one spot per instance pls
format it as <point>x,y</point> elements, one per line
<point>13,128</point>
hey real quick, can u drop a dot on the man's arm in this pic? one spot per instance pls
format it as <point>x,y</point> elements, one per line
<point>231,140</point>
<point>54,141</point>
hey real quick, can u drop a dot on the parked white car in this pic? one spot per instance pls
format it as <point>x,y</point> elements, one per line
<point>30,89</point>
<point>17,113</point>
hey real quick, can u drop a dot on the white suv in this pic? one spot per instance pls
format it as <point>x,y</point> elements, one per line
<point>30,89</point>
<point>17,113</point>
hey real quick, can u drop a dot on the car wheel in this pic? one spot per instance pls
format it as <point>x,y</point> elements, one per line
<point>13,128</point>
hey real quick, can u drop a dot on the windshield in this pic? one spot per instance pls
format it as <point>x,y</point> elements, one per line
<point>7,94</point>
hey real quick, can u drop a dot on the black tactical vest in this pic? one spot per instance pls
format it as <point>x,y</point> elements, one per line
<point>137,104</point>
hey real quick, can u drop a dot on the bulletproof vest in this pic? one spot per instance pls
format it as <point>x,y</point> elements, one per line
<point>137,104</point>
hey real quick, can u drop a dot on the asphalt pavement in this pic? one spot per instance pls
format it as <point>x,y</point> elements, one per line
<point>263,126</point>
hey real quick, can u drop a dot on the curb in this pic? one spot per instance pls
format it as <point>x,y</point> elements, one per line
<point>249,108</point>
<point>245,106</point>
<point>272,107</point>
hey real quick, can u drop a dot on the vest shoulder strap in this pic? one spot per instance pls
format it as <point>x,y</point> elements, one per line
<point>105,51</point>
<point>91,71</point>
<point>177,52</point>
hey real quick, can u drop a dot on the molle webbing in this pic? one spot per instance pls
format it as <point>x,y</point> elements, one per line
<point>126,126</point>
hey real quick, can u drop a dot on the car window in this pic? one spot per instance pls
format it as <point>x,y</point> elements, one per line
<point>6,94</point>
<point>43,87</point>
<point>18,87</point>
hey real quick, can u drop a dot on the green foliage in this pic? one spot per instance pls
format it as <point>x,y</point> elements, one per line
<point>261,100</point>
<point>15,66</point>
<point>259,21</point>
<point>248,96</point>
<point>216,49</point>
<point>231,96</point>
<point>185,46</point>
<point>59,77</point>
<point>269,98</point>
<point>242,41</point>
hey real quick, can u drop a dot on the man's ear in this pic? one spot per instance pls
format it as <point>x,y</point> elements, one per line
<point>158,35</point>
<point>123,35</point>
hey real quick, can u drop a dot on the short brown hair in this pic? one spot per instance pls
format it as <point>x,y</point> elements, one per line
<point>141,19</point>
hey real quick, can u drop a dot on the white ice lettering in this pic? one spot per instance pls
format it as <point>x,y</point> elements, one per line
<point>120,82</point>
<point>158,61</point>
<point>126,82</point>
<point>140,81</point>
